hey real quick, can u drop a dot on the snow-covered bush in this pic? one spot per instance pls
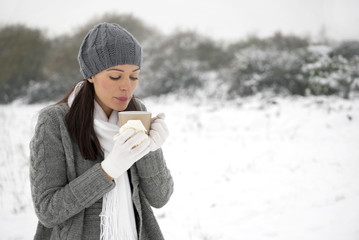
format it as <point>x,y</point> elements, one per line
<point>22,51</point>
<point>181,62</point>
<point>256,70</point>
<point>332,71</point>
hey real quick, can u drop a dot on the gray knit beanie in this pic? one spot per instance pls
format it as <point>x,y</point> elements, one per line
<point>107,45</point>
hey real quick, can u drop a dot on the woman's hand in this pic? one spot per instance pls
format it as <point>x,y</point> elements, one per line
<point>158,132</point>
<point>129,147</point>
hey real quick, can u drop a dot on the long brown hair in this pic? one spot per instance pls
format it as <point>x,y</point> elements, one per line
<point>79,120</point>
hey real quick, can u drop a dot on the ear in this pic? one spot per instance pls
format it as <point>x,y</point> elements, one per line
<point>91,79</point>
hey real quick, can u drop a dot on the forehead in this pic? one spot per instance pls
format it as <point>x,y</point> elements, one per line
<point>124,68</point>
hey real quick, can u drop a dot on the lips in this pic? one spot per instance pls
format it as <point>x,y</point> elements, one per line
<point>122,99</point>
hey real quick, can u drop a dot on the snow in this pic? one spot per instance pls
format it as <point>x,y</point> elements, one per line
<point>252,168</point>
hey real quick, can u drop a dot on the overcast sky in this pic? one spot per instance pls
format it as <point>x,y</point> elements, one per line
<point>222,19</point>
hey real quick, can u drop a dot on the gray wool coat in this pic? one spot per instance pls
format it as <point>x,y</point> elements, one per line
<point>66,188</point>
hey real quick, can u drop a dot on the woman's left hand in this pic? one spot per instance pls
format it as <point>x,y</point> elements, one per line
<point>158,132</point>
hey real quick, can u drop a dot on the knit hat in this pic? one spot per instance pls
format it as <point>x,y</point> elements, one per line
<point>107,45</point>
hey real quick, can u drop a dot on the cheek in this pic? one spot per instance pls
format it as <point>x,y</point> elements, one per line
<point>106,85</point>
<point>134,85</point>
<point>105,88</point>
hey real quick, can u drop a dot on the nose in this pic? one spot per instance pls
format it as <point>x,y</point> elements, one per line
<point>125,84</point>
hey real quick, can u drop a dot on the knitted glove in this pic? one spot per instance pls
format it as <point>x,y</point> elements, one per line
<point>128,148</point>
<point>158,132</point>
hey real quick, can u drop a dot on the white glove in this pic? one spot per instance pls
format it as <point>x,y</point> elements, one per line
<point>128,148</point>
<point>158,132</point>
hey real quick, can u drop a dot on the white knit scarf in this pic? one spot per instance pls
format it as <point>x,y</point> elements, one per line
<point>117,216</point>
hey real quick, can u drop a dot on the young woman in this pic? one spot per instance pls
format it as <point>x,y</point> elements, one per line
<point>85,185</point>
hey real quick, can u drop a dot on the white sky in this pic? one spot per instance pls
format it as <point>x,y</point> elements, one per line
<point>222,19</point>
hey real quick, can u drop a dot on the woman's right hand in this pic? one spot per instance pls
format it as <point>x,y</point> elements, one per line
<point>128,148</point>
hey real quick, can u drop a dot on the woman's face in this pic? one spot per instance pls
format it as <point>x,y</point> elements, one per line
<point>114,87</point>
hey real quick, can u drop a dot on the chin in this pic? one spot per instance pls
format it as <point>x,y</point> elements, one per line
<point>121,107</point>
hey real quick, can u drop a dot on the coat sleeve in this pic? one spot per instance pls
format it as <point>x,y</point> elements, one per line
<point>55,198</point>
<point>155,178</point>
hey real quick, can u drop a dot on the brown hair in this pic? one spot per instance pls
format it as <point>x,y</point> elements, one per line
<point>79,120</point>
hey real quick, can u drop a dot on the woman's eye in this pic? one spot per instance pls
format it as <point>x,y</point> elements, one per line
<point>117,78</point>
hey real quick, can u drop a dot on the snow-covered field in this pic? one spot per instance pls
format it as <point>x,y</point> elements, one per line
<point>249,169</point>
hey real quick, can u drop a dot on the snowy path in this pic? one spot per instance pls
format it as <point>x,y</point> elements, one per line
<point>252,169</point>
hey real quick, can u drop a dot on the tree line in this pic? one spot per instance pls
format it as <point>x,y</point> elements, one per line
<point>37,68</point>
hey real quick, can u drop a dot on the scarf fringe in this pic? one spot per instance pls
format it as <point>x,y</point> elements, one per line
<point>112,206</point>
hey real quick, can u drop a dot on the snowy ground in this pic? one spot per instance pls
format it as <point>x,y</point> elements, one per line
<point>250,169</point>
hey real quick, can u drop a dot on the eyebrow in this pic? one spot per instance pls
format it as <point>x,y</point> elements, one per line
<point>116,69</point>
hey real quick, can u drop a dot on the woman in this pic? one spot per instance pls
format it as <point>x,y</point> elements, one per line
<point>85,185</point>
